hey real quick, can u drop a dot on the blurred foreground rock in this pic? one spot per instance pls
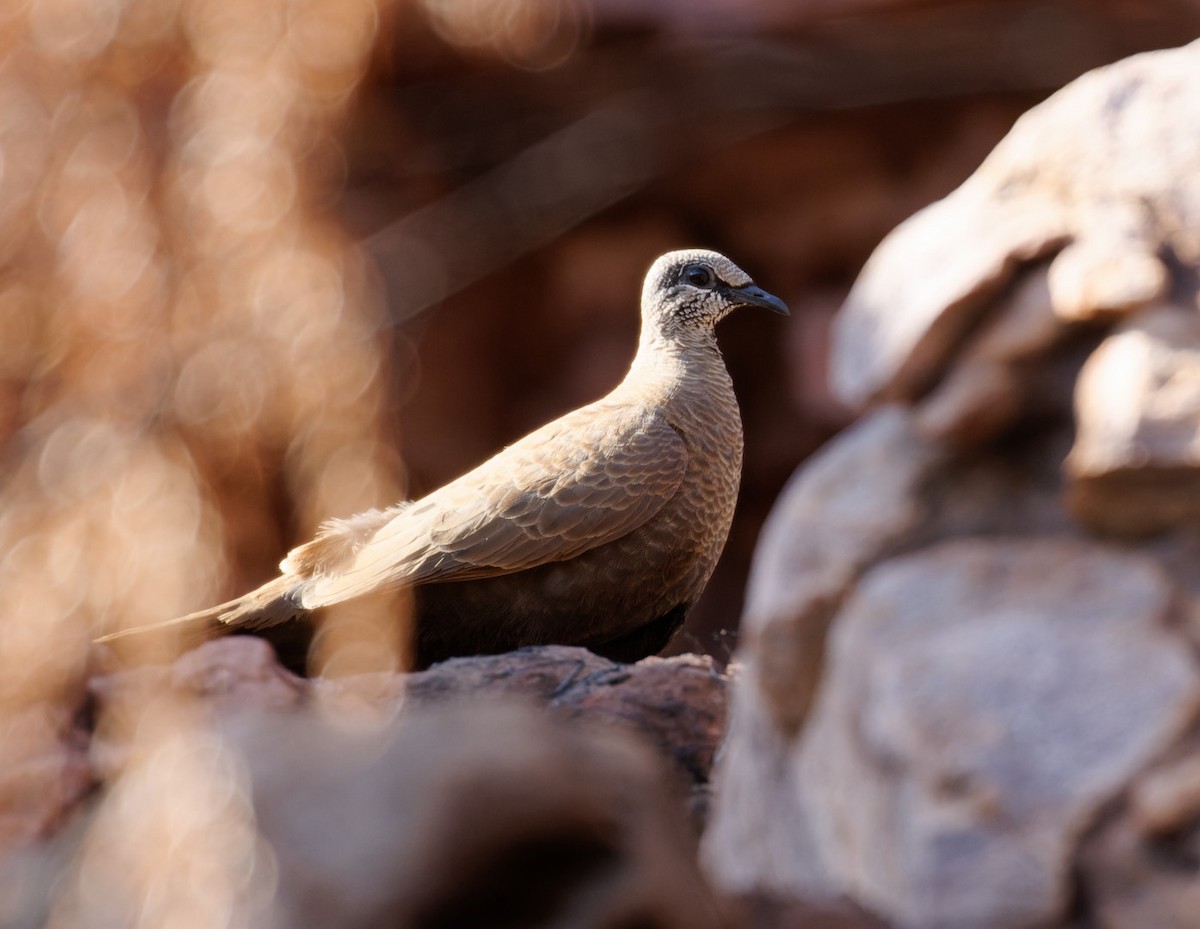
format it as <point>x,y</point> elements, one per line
<point>478,815</point>
<point>970,684</point>
<point>45,772</point>
<point>677,705</point>
<point>542,787</point>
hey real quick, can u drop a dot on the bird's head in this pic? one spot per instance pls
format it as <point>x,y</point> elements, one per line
<point>691,291</point>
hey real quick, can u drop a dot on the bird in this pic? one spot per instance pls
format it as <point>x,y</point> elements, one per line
<point>600,529</point>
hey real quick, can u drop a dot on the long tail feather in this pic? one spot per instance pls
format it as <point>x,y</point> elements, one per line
<point>276,601</point>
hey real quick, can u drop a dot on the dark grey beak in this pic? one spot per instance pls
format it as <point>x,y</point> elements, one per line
<point>753,295</point>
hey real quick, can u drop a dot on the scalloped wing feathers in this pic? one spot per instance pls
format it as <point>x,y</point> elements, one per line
<point>572,486</point>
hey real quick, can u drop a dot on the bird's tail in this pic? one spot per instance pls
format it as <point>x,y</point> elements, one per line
<point>275,602</point>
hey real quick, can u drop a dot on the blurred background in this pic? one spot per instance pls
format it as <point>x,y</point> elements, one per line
<point>262,265</point>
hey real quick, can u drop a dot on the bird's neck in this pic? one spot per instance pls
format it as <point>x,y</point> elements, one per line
<point>680,365</point>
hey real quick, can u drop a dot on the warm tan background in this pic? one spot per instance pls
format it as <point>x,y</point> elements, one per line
<point>261,265</point>
<point>791,136</point>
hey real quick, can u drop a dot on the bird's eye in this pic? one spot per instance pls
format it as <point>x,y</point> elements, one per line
<point>698,276</point>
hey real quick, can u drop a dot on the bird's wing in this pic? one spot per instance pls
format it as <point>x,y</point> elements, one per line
<point>571,486</point>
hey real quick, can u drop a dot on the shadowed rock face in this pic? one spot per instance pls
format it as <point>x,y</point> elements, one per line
<point>971,623</point>
<point>545,787</point>
<point>484,815</point>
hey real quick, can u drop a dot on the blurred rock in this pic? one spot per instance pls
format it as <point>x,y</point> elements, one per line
<point>989,386</point>
<point>842,512</point>
<point>1132,881</point>
<point>677,705</point>
<point>486,814</point>
<point>239,672</point>
<point>543,787</point>
<point>985,699</point>
<point>1002,703</point>
<point>1105,168</point>
<point>1137,868</point>
<point>763,912</point>
<point>1135,466</point>
<point>44,773</point>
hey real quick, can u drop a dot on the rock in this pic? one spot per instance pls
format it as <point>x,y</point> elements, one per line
<point>1101,175</point>
<point>987,388</point>
<point>485,814</point>
<point>768,913</point>
<point>986,698</point>
<point>239,672</point>
<point>540,787</point>
<point>1132,881</point>
<point>538,674</point>
<point>840,513</point>
<point>31,877</point>
<point>1167,799</point>
<point>677,704</point>
<point>911,308</point>
<point>477,813</point>
<point>228,676</point>
<point>979,725</point>
<point>983,699</point>
<point>45,772</point>
<point>1138,867</point>
<point>1135,465</point>
<point>232,674</point>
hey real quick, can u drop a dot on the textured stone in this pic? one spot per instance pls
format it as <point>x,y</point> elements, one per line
<point>678,705</point>
<point>985,699</point>
<point>982,701</point>
<point>537,674</point>
<point>1135,465</point>
<point>840,512</point>
<point>986,389</point>
<point>1101,174</point>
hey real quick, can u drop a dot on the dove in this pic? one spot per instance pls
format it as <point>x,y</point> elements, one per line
<point>600,529</point>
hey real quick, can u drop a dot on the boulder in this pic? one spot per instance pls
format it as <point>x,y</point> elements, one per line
<point>844,510</point>
<point>480,814</point>
<point>986,698</point>
<point>1137,868</point>
<point>1135,465</point>
<point>677,705</point>
<point>983,700</point>
<point>1100,178</point>
<point>968,666</point>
